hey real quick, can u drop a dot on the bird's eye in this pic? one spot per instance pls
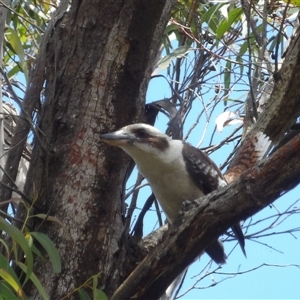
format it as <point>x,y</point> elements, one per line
<point>142,133</point>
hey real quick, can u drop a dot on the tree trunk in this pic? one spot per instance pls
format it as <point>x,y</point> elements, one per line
<point>96,63</point>
<point>99,58</point>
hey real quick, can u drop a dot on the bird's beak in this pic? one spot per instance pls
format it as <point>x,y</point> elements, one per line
<point>117,138</point>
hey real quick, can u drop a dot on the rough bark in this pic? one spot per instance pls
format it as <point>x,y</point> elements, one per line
<point>99,59</point>
<point>100,56</point>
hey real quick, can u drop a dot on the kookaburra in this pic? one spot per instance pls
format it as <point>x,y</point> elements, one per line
<point>175,170</point>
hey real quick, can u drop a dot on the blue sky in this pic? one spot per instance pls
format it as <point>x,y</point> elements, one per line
<point>279,277</point>
<point>267,282</point>
<point>274,255</point>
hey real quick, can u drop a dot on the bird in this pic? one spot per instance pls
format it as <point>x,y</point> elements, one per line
<point>175,170</point>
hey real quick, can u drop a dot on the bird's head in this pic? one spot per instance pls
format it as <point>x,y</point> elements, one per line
<point>137,139</point>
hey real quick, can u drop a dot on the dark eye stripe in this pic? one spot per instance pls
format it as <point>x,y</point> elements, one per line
<point>141,133</point>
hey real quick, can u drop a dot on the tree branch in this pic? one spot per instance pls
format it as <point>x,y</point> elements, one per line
<point>199,227</point>
<point>278,116</point>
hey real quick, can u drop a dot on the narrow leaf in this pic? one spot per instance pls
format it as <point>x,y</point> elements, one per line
<point>99,295</point>
<point>95,283</point>
<point>4,264</point>
<point>83,295</point>
<point>211,17</point>
<point>227,79</point>
<point>226,24</point>
<point>11,73</point>
<point>15,42</point>
<point>170,28</point>
<point>6,293</point>
<point>18,237</point>
<point>10,280</point>
<point>35,281</point>
<point>166,60</point>
<point>50,249</point>
<point>50,218</point>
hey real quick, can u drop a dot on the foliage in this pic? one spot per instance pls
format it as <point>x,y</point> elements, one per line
<point>211,47</point>
<point>24,245</point>
<point>214,54</point>
<point>26,23</point>
<point>220,56</point>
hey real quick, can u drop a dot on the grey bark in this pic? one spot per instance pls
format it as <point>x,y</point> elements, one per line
<point>99,58</point>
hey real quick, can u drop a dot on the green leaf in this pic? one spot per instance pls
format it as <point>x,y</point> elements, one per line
<point>35,280</point>
<point>4,264</point>
<point>166,60</point>
<point>227,79</point>
<point>83,295</point>
<point>18,237</point>
<point>243,48</point>
<point>99,295</point>
<point>11,73</point>
<point>4,245</point>
<point>37,252</point>
<point>6,293</point>
<point>226,24</point>
<point>210,17</point>
<point>170,28</point>
<point>24,68</point>
<point>29,239</point>
<point>49,218</point>
<point>50,248</point>
<point>240,60</point>
<point>15,42</point>
<point>95,282</point>
<point>10,280</point>
<point>38,12</point>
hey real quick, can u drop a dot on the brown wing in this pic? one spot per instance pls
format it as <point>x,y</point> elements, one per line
<point>202,170</point>
<point>208,178</point>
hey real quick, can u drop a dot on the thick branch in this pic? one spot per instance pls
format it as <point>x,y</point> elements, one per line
<point>100,57</point>
<point>255,189</point>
